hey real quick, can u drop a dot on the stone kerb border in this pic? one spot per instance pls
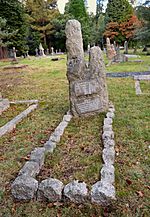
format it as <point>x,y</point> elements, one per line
<point>12,124</point>
<point>26,187</point>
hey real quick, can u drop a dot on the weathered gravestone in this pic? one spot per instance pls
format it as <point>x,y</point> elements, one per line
<point>126,47</point>
<point>87,85</point>
<point>36,52</point>
<point>111,53</point>
<point>41,50</point>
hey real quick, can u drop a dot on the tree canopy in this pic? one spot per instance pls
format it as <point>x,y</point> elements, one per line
<point>40,16</point>
<point>143,12</point>
<point>118,11</point>
<point>13,11</point>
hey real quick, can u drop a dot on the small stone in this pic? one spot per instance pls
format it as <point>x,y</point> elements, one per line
<point>108,143</point>
<point>102,193</point>
<point>38,155</point>
<point>107,127</point>
<point>110,115</point>
<point>108,135</point>
<point>108,155</point>
<point>76,191</point>
<point>50,146</point>
<point>50,189</point>
<point>24,188</point>
<point>107,174</point>
<point>108,121</point>
<point>67,118</point>
<point>30,168</point>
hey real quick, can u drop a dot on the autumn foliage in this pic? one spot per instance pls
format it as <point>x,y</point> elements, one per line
<point>123,31</point>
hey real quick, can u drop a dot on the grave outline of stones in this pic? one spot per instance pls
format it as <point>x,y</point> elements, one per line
<point>103,192</point>
<point>10,125</point>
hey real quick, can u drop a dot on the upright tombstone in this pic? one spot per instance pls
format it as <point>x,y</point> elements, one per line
<point>52,50</point>
<point>14,53</point>
<point>36,52</point>
<point>88,48</point>
<point>110,51</point>
<point>47,51</point>
<point>41,50</point>
<point>27,54</point>
<point>126,47</point>
<point>87,85</point>
<point>115,46</point>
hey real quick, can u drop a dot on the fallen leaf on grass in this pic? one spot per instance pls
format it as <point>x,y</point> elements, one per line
<point>58,204</point>
<point>140,193</point>
<point>42,141</point>
<point>2,158</point>
<point>128,181</point>
<point>50,205</point>
<point>26,158</point>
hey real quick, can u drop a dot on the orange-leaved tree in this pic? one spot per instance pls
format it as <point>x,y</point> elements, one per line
<point>124,31</point>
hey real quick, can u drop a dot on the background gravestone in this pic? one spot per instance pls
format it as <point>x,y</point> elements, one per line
<point>87,85</point>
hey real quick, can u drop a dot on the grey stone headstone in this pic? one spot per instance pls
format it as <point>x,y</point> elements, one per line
<point>87,83</point>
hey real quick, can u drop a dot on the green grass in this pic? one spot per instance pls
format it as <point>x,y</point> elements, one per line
<point>78,153</point>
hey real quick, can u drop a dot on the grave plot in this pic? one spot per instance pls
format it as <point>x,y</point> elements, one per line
<point>26,187</point>
<point>88,96</point>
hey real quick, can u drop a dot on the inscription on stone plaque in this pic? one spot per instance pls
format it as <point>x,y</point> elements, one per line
<point>88,105</point>
<point>86,87</point>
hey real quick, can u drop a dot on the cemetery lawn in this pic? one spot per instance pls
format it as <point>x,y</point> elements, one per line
<point>78,155</point>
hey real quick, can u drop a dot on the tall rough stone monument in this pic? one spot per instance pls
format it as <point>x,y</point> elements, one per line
<point>111,53</point>
<point>87,85</point>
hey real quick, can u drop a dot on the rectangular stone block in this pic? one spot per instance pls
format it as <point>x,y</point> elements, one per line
<point>30,169</point>
<point>86,87</point>
<point>88,105</point>
<point>142,77</point>
<point>38,155</point>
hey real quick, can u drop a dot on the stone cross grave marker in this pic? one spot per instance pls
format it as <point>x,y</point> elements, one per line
<point>87,85</point>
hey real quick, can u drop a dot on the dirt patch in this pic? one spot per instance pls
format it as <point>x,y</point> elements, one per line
<point>15,67</point>
<point>10,79</point>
